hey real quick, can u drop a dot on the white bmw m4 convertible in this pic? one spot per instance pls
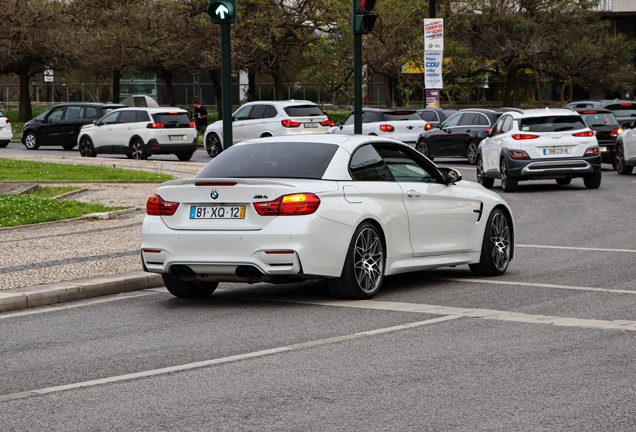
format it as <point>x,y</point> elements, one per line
<point>350,209</point>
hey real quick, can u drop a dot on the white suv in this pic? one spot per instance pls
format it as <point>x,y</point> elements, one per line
<point>139,133</point>
<point>538,144</point>
<point>266,119</point>
<point>625,151</point>
<point>5,131</point>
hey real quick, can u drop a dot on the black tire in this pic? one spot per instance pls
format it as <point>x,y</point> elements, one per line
<point>68,146</point>
<point>188,289</point>
<point>31,141</point>
<point>137,150</point>
<point>508,184</point>
<point>422,147</point>
<point>363,270</point>
<point>185,156</point>
<point>564,181</point>
<point>213,145</point>
<point>592,181</point>
<point>481,177</point>
<point>4,144</point>
<point>471,153</point>
<point>619,161</point>
<point>496,248</point>
<point>86,148</point>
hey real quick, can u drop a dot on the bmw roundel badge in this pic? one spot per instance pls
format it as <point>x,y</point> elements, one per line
<point>214,194</point>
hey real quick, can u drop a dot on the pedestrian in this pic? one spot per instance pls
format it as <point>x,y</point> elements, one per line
<point>200,117</point>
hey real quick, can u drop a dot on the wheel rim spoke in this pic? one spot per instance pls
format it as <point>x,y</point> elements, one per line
<point>500,241</point>
<point>368,260</point>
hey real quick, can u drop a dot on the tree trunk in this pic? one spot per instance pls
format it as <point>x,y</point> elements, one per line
<point>251,84</point>
<point>218,91</point>
<point>277,74</point>
<point>116,86</point>
<point>25,113</point>
<point>538,88</point>
<point>511,85</point>
<point>388,94</point>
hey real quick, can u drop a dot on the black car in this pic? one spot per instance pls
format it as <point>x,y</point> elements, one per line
<point>603,122</point>
<point>435,115</point>
<point>60,124</point>
<point>623,110</point>
<point>457,135</point>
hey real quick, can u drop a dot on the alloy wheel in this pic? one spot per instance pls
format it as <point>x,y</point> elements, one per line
<point>471,153</point>
<point>368,260</point>
<point>213,146</point>
<point>30,142</point>
<point>500,241</point>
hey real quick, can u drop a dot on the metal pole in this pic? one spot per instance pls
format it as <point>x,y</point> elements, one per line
<point>357,84</point>
<point>226,76</point>
<point>432,9</point>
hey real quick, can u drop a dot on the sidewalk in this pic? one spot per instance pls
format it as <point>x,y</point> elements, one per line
<point>39,255</point>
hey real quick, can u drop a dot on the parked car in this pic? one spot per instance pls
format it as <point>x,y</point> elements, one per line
<point>435,115</point>
<point>60,124</point>
<point>400,124</point>
<point>268,118</point>
<point>5,131</point>
<point>260,210</point>
<point>607,129</point>
<point>623,110</point>
<point>457,136</point>
<point>139,133</point>
<point>539,144</point>
<point>625,154</point>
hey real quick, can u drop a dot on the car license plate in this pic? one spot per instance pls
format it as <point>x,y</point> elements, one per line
<point>176,137</point>
<point>311,125</point>
<point>603,149</point>
<point>217,212</point>
<point>557,151</point>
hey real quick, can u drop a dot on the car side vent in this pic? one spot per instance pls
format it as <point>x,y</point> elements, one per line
<point>140,101</point>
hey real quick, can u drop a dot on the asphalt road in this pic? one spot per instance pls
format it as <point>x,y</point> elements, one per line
<point>549,346</point>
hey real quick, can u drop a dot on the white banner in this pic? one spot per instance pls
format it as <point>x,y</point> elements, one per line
<point>433,34</point>
<point>433,69</point>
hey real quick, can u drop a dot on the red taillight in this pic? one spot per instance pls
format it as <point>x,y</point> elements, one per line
<point>592,151</point>
<point>193,125</point>
<point>156,206</point>
<point>289,205</point>
<point>489,131</point>
<point>616,132</point>
<point>524,136</point>
<point>428,126</point>
<point>8,122</point>
<point>584,134</point>
<point>327,123</point>
<point>154,125</point>
<point>589,112</point>
<point>626,104</point>
<point>386,128</point>
<point>518,154</point>
<point>289,123</point>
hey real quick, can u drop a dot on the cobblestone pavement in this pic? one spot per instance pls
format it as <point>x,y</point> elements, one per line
<point>66,251</point>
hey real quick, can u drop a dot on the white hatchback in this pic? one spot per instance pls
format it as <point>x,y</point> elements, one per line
<point>538,144</point>
<point>268,118</point>
<point>5,131</point>
<point>139,133</point>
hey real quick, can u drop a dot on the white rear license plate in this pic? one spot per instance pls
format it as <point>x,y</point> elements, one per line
<point>176,137</point>
<point>311,125</point>
<point>217,212</point>
<point>603,149</point>
<point>557,151</point>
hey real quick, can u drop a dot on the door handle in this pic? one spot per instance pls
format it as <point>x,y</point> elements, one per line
<point>467,130</point>
<point>413,193</point>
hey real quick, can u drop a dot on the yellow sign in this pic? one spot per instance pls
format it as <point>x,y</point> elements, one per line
<point>414,67</point>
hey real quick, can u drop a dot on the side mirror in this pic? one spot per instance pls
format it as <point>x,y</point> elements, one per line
<point>97,123</point>
<point>339,124</point>
<point>483,134</point>
<point>450,175</point>
<point>627,126</point>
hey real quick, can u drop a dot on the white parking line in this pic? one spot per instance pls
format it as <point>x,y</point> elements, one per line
<point>206,363</point>
<point>532,284</point>
<point>576,248</point>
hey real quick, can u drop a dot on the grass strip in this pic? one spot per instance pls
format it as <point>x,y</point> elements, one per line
<point>51,191</point>
<point>18,170</point>
<point>26,209</point>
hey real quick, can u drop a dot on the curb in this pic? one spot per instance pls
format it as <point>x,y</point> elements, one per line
<point>43,295</point>
<point>101,216</point>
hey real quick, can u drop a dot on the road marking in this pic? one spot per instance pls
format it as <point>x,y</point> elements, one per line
<point>472,313</point>
<point>222,360</point>
<point>531,284</point>
<point>576,248</point>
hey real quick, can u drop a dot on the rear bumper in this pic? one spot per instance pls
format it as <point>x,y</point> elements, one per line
<point>154,147</point>
<point>530,169</point>
<point>607,150</point>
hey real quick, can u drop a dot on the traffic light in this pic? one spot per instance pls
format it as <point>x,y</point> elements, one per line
<point>362,20</point>
<point>222,11</point>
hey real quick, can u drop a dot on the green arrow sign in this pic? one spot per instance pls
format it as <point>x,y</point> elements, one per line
<point>222,11</point>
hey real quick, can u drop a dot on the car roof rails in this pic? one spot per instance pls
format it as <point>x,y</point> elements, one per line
<point>519,110</point>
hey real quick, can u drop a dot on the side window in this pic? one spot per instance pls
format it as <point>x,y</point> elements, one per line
<point>242,113</point>
<point>110,118</point>
<point>370,117</point>
<point>258,112</point>
<point>142,116</point>
<point>497,129</point>
<point>74,113</point>
<point>468,119</point>
<point>453,121</point>
<point>367,165</point>
<point>91,113</point>
<point>507,124</point>
<point>429,116</point>
<point>270,111</point>
<point>127,117</point>
<point>349,120</point>
<point>481,120</point>
<point>56,114</point>
<point>404,168</point>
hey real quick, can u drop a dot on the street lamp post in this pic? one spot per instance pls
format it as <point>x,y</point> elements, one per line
<point>483,93</point>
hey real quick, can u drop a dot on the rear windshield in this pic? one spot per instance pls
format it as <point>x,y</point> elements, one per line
<point>2,115</point>
<point>271,160</point>
<point>599,119</point>
<point>623,110</point>
<point>401,115</point>
<point>304,111</point>
<point>552,123</point>
<point>172,119</point>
